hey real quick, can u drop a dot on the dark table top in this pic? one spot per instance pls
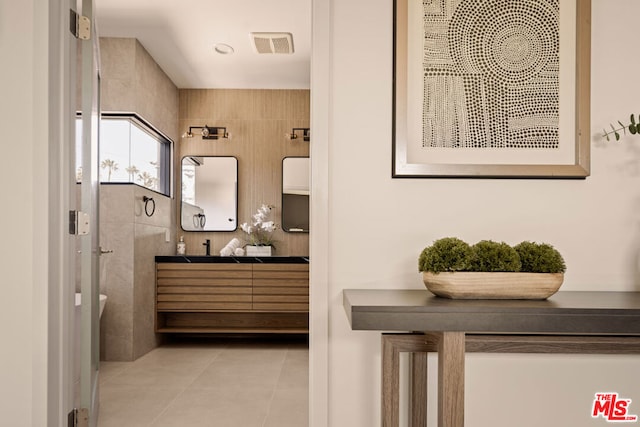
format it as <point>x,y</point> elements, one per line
<point>566,312</point>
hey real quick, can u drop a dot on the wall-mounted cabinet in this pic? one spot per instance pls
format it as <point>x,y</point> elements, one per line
<point>232,295</point>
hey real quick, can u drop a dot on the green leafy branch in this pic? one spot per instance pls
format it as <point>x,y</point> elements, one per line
<point>633,127</point>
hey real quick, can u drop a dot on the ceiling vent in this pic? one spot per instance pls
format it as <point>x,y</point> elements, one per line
<point>272,42</point>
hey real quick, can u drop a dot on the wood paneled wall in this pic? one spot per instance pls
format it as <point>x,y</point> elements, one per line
<point>257,120</point>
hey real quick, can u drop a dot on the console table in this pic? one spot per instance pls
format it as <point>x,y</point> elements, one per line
<point>567,322</point>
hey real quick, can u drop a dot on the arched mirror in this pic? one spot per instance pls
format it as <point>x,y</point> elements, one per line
<point>209,193</point>
<point>295,194</point>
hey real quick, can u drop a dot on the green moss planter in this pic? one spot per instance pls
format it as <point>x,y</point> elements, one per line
<point>451,268</point>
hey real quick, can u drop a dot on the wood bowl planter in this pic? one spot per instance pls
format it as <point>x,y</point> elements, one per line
<point>499,285</point>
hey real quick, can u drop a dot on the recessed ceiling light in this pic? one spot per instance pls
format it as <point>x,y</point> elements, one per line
<point>223,49</point>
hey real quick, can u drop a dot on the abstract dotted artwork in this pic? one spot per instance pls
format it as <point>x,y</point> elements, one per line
<point>491,74</point>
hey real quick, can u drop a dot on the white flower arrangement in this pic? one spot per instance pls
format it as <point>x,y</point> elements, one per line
<point>261,229</point>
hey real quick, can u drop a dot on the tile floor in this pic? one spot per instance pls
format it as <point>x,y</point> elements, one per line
<point>212,383</point>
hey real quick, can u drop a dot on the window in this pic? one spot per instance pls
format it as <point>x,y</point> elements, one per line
<point>132,151</point>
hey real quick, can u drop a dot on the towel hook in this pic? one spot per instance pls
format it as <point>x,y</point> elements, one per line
<point>146,201</point>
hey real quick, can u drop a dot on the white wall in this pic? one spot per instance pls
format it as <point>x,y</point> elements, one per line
<point>24,173</point>
<point>379,225</point>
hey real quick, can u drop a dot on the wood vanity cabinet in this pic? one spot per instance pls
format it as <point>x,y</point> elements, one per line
<point>201,297</point>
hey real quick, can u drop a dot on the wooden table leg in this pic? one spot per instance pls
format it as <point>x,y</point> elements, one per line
<point>451,348</point>
<point>417,345</point>
<point>418,389</point>
<point>451,351</point>
<point>390,384</point>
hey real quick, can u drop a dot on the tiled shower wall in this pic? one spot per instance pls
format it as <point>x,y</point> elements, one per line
<point>127,275</point>
<point>132,82</point>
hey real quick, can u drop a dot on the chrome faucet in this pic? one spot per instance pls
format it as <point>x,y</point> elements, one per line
<point>207,245</point>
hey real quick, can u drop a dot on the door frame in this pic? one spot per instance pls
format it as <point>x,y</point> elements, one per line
<point>60,299</point>
<point>319,298</point>
<point>53,17</point>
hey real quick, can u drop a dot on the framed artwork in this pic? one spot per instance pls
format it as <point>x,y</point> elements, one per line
<point>491,88</point>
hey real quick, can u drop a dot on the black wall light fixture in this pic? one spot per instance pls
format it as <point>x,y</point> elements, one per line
<point>306,134</point>
<point>208,132</point>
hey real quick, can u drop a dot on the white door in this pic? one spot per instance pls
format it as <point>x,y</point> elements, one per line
<point>88,232</point>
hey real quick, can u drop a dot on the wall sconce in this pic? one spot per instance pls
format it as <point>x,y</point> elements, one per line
<point>208,132</point>
<point>306,134</point>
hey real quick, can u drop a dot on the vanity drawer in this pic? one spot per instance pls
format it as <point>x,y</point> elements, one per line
<point>202,287</point>
<point>281,287</point>
<point>248,297</point>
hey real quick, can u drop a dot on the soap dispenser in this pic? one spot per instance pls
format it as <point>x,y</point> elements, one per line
<point>182,246</point>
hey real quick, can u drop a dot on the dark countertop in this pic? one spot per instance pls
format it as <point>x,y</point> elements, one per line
<point>566,312</point>
<point>234,259</point>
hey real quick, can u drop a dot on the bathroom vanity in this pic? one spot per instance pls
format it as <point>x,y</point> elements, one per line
<point>212,294</point>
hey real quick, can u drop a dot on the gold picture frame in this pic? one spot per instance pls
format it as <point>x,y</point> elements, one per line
<point>412,158</point>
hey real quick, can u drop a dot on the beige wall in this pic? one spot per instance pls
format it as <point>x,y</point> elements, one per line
<point>131,81</point>
<point>257,121</point>
<point>377,227</point>
<point>127,275</point>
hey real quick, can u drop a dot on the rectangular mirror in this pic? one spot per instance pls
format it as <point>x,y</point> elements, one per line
<point>295,194</point>
<point>209,193</point>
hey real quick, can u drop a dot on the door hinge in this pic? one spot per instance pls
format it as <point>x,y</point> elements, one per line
<point>71,418</point>
<point>80,26</point>
<point>78,418</point>
<point>79,223</point>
